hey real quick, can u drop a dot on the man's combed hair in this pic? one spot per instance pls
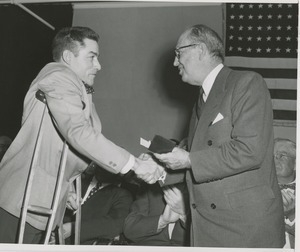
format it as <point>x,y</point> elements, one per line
<point>203,34</point>
<point>71,38</point>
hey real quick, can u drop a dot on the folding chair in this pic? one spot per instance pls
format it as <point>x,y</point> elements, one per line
<point>50,212</point>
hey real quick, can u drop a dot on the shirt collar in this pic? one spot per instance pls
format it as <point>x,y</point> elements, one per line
<point>95,181</point>
<point>209,80</point>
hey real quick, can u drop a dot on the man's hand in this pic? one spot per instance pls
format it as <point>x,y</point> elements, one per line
<point>168,216</point>
<point>174,198</point>
<point>183,144</point>
<point>288,198</point>
<point>71,202</point>
<point>67,229</point>
<point>52,240</point>
<point>147,169</point>
<point>145,156</point>
<point>175,160</point>
<point>50,91</point>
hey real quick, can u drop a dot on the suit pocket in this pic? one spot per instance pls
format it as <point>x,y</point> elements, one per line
<point>220,132</point>
<point>252,203</point>
<point>250,196</point>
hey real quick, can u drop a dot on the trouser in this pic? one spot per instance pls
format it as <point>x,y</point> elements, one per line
<point>9,227</point>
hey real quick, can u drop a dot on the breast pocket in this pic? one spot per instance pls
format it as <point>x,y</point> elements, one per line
<point>220,132</point>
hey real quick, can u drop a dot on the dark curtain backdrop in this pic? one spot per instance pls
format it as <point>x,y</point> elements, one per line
<point>25,47</point>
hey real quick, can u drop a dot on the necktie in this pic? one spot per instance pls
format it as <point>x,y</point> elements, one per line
<point>200,103</point>
<point>89,89</point>
<point>286,186</point>
<point>94,190</point>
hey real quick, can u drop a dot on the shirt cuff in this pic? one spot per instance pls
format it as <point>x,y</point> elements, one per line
<point>288,222</point>
<point>163,177</point>
<point>129,165</point>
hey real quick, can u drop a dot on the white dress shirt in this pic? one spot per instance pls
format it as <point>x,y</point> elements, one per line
<point>209,80</point>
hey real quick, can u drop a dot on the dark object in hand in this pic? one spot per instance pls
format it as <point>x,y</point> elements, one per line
<point>160,145</point>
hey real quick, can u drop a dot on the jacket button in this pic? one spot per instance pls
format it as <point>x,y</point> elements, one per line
<point>209,142</point>
<point>194,205</point>
<point>213,206</point>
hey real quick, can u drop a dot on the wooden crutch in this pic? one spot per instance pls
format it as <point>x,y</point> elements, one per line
<point>77,217</point>
<point>50,212</point>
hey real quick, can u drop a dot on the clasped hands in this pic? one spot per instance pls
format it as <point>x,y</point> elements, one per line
<point>288,198</point>
<point>147,169</point>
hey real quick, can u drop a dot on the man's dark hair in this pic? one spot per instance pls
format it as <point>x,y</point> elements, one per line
<point>71,38</point>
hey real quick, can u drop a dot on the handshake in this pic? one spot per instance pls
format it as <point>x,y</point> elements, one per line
<point>147,169</point>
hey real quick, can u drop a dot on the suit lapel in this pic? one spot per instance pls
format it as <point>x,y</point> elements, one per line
<point>85,182</point>
<point>192,127</point>
<point>211,107</point>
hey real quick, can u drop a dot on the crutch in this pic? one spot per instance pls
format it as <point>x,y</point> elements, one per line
<point>50,212</point>
<point>78,213</point>
<point>77,217</point>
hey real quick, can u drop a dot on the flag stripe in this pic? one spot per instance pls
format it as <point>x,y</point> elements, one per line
<point>261,62</point>
<point>284,104</point>
<point>271,73</point>
<point>284,115</point>
<point>285,94</point>
<point>281,83</point>
<point>284,123</point>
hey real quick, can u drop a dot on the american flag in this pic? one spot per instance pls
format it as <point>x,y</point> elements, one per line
<point>264,38</point>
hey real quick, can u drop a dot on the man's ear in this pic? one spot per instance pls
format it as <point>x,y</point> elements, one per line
<point>202,50</point>
<point>67,56</point>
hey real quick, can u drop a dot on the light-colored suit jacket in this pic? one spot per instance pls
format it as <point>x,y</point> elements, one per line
<point>234,196</point>
<point>70,115</point>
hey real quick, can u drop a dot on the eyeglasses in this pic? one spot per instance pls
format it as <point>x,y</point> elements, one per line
<point>280,155</point>
<point>177,50</point>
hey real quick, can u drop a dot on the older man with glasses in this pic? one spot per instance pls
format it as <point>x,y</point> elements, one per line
<point>235,199</point>
<point>285,163</point>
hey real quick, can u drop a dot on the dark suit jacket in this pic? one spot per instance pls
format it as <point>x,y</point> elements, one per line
<point>234,196</point>
<point>141,224</point>
<point>103,214</point>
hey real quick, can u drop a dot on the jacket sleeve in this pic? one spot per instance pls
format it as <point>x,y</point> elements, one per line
<point>109,225</point>
<point>64,99</point>
<point>141,223</point>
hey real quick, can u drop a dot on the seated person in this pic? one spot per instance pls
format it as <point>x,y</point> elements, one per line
<point>102,212</point>
<point>131,183</point>
<point>158,216</point>
<point>285,163</point>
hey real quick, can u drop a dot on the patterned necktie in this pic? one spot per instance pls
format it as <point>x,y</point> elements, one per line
<point>94,190</point>
<point>89,89</point>
<point>286,186</point>
<point>200,103</point>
